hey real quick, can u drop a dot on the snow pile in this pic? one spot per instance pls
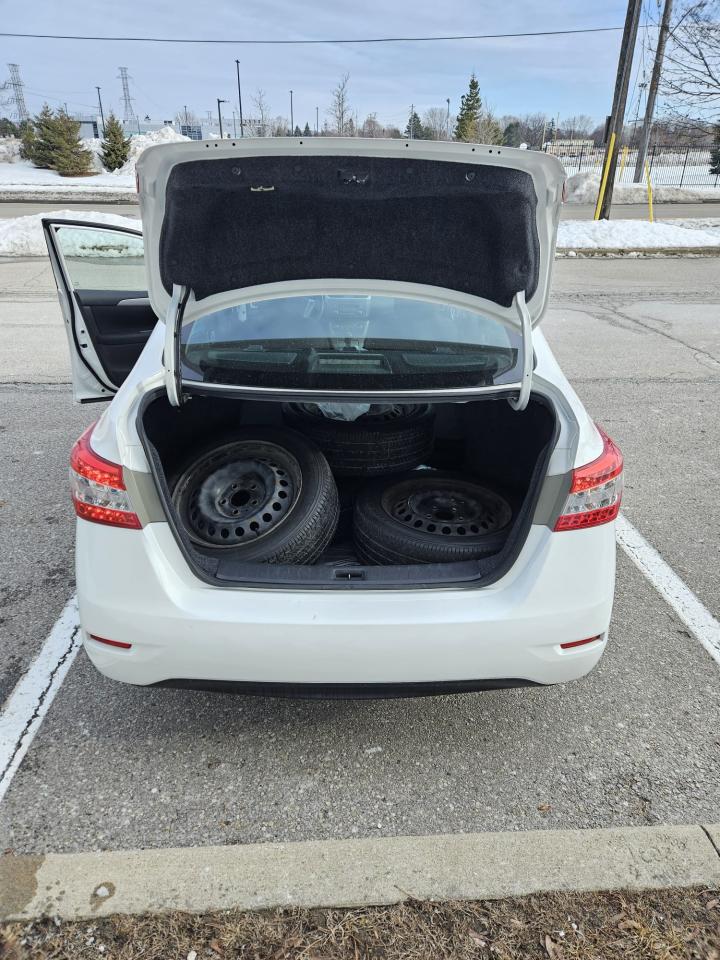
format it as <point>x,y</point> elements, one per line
<point>23,236</point>
<point>9,150</point>
<point>141,141</point>
<point>22,180</point>
<point>631,235</point>
<point>94,146</point>
<point>584,187</point>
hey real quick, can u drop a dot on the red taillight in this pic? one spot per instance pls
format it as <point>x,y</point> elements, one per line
<point>580,643</point>
<point>98,489</point>
<point>595,491</point>
<point>111,643</point>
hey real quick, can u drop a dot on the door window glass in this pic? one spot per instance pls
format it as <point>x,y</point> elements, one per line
<point>102,259</point>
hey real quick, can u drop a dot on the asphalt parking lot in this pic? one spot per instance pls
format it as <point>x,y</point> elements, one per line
<point>637,742</point>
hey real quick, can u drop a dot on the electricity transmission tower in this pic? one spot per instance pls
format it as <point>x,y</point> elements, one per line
<point>17,97</point>
<point>128,109</point>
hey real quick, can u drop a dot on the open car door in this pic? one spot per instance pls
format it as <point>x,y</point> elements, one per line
<point>100,275</point>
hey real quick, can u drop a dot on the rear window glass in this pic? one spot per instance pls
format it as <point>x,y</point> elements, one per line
<point>349,343</point>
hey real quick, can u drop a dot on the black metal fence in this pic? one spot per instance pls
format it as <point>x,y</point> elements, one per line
<point>670,165</point>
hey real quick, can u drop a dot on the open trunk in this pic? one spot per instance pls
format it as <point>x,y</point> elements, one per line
<point>506,450</point>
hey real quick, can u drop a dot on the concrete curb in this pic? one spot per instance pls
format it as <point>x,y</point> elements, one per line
<point>357,872</point>
<point>67,195</point>
<point>565,253</point>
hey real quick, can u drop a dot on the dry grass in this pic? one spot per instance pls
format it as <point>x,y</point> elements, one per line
<point>662,925</point>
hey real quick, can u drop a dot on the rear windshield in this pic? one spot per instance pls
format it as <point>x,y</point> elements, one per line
<point>349,343</point>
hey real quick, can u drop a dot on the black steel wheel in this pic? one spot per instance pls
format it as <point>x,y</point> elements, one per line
<point>268,494</point>
<point>429,517</point>
<point>389,438</point>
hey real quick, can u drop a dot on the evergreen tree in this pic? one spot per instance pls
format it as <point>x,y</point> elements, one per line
<point>469,113</point>
<point>512,136</point>
<point>28,140</point>
<point>115,145</point>
<point>715,153</point>
<point>71,158</point>
<point>414,129</point>
<point>8,128</point>
<point>298,131</point>
<point>40,139</point>
<point>307,132</point>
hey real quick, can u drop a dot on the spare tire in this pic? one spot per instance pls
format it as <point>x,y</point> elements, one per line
<point>429,516</point>
<point>389,438</point>
<point>268,495</point>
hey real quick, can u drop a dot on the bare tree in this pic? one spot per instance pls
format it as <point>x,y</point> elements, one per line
<point>187,118</point>
<point>527,129</point>
<point>435,122</point>
<point>371,127</point>
<point>576,128</point>
<point>691,79</point>
<point>263,113</point>
<point>279,127</point>
<point>339,109</point>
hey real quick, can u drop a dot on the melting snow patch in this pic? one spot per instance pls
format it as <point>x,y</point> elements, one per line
<point>23,236</point>
<point>631,235</point>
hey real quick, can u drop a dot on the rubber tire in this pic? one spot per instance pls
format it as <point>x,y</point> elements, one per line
<point>309,527</point>
<point>381,539</point>
<point>367,447</point>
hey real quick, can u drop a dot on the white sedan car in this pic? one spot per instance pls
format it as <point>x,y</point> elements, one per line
<point>340,458</point>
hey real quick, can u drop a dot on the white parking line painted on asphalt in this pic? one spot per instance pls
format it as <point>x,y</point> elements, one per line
<point>31,699</point>
<point>27,705</point>
<point>693,613</point>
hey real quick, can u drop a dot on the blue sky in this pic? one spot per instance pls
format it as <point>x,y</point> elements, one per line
<point>555,75</point>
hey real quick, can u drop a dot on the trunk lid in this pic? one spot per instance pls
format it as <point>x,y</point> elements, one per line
<point>228,223</point>
<point>228,215</point>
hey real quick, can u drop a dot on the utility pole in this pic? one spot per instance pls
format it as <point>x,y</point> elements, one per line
<point>242,128</point>
<point>447,119</point>
<point>617,117</point>
<point>102,115</point>
<point>292,119</point>
<point>411,125</point>
<point>317,121</point>
<point>186,119</point>
<point>652,92</point>
<point>219,101</point>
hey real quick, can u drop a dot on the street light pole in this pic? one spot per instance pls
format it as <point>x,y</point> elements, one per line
<point>102,116</point>
<point>242,128</point>
<point>292,119</point>
<point>447,120</point>
<point>219,101</point>
<point>317,121</point>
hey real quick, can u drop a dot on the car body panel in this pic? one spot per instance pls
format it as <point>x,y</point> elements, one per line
<point>559,590</point>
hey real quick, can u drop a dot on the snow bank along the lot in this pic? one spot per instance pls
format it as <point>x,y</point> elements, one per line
<point>23,236</point>
<point>19,174</point>
<point>583,188</point>
<point>632,235</point>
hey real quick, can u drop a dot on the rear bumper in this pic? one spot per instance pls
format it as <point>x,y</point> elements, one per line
<point>135,587</point>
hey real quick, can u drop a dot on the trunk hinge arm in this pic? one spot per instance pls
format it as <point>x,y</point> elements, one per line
<point>171,354</point>
<point>523,397</point>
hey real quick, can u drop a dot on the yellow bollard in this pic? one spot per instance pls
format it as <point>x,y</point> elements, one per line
<point>623,161</point>
<point>603,182</point>
<point>649,189</point>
